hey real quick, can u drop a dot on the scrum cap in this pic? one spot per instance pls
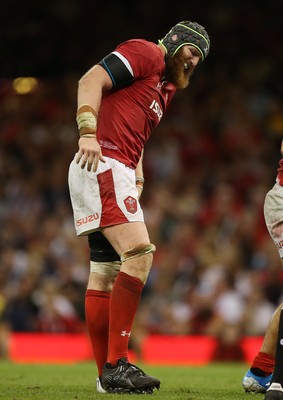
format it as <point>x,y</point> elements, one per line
<point>186,32</point>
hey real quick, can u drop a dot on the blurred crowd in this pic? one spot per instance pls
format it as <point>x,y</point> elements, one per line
<point>207,169</point>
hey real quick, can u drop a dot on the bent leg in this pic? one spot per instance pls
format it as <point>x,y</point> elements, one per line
<point>131,241</point>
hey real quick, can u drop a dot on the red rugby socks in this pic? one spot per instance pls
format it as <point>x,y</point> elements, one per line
<point>97,321</point>
<point>263,364</point>
<point>124,300</point>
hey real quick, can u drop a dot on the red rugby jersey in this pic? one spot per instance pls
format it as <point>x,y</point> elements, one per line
<point>127,116</point>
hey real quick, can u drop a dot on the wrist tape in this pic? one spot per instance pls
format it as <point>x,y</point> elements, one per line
<point>86,120</point>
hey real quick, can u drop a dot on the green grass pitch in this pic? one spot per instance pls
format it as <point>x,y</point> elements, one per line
<point>77,382</point>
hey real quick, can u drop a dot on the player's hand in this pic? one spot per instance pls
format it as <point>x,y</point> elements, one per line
<point>89,153</point>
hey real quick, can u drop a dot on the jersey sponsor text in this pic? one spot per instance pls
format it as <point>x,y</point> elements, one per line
<point>86,220</point>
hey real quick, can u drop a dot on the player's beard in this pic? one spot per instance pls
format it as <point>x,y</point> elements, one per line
<point>178,71</point>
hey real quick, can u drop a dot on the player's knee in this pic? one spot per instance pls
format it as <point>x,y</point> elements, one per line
<point>102,275</point>
<point>105,268</point>
<point>141,257</point>
<point>104,260</point>
<point>138,251</point>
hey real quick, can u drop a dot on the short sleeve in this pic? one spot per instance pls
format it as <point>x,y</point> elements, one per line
<point>143,57</point>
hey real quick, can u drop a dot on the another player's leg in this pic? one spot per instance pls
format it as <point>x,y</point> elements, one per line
<point>273,212</point>
<point>275,391</point>
<point>257,378</point>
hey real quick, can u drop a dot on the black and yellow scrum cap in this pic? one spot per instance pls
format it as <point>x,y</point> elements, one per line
<point>183,33</point>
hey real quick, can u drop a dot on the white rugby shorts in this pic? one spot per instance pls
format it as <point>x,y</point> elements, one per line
<point>103,198</point>
<point>273,214</point>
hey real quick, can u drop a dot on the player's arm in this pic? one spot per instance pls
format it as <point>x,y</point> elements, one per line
<point>139,175</point>
<point>91,86</point>
<point>113,72</point>
<point>90,89</point>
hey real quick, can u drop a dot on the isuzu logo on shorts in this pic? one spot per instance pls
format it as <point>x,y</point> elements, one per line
<point>131,204</point>
<point>86,220</point>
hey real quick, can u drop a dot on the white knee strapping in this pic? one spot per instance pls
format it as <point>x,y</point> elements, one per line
<point>105,268</point>
<point>138,251</point>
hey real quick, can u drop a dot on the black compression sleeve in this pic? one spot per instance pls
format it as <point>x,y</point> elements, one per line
<point>100,249</point>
